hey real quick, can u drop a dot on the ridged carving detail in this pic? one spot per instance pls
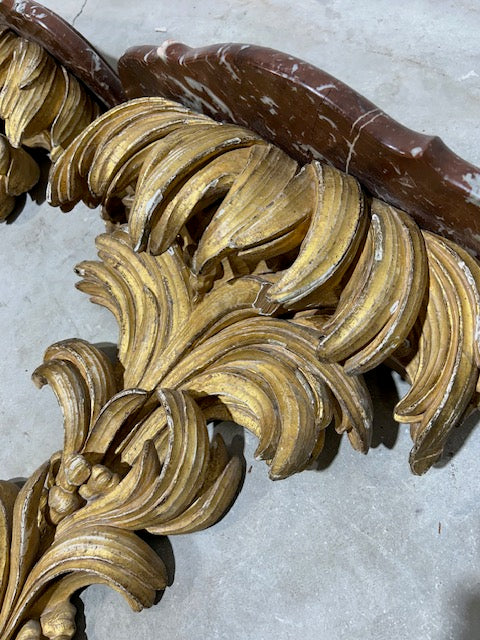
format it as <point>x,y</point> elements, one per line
<point>248,288</point>
<point>359,275</point>
<point>42,105</point>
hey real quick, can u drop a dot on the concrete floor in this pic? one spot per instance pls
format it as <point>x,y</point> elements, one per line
<point>360,549</point>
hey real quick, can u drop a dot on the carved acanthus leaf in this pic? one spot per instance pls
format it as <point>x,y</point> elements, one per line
<point>355,271</point>
<point>42,105</point>
<point>226,348</point>
<point>132,460</point>
<point>245,288</point>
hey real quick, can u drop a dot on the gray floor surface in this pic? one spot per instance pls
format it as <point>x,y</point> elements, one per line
<point>359,549</point>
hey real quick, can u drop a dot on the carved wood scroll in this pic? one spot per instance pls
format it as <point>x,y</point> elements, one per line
<point>39,24</point>
<point>46,98</point>
<point>312,115</point>
<point>246,287</point>
<point>227,309</point>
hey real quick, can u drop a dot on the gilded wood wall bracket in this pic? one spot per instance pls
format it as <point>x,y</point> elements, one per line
<point>248,285</point>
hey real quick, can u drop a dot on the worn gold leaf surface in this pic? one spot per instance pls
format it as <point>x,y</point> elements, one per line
<point>444,374</point>
<point>42,105</point>
<point>246,288</point>
<point>355,272</point>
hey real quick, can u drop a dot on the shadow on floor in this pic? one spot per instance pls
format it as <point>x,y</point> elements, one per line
<point>457,440</point>
<point>38,192</point>
<point>384,393</point>
<point>162,547</point>
<point>329,451</point>
<point>382,388</point>
<point>470,615</point>
<point>80,621</point>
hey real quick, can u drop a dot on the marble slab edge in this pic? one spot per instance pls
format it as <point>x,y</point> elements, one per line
<point>35,22</point>
<point>311,114</point>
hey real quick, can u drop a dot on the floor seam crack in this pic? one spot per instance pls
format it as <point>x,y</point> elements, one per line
<point>79,12</point>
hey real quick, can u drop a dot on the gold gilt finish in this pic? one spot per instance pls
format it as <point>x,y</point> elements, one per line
<point>362,280</point>
<point>132,459</point>
<point>42,105</point>
<point>245,288</point>
<point>18,173</point>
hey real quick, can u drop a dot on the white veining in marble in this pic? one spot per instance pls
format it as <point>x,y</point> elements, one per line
<point>473,181</point>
